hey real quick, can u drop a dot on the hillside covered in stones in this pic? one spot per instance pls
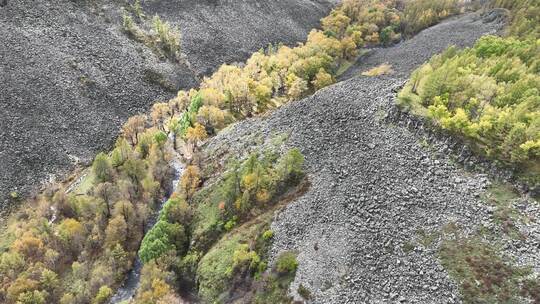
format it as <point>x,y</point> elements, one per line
<point>69,76</point>
<point>391,157</point>
<point>384,195</point>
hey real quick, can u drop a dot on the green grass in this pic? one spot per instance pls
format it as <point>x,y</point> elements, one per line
<point>408,247</point>
<point>427,238</point>
<point>215,269</point>
<point>86,183</point>
<point>7,237</point>
<point>207,216</point>
<point>481,272</point>
<point>344,66</point>
<point>501,196</point>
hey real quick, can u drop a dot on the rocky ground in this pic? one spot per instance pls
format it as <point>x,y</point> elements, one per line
<point>69,77</point>
<point>376,184</point>
<point>225,31</point>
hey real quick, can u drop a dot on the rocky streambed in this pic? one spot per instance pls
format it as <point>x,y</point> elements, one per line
<point>377,187</point>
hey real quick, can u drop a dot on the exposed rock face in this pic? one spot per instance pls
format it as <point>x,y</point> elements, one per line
<point>69,77</point>
<point>374,185</point>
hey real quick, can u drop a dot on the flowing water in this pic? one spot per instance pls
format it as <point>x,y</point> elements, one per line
<point>128,289</point>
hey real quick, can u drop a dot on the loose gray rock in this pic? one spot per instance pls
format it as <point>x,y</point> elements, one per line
<point>373,185</point>
<point>69,77</point>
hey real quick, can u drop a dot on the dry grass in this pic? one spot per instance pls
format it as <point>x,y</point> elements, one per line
<point>383,69</point>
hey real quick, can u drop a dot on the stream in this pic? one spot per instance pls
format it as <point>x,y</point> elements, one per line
<point>127,291</point>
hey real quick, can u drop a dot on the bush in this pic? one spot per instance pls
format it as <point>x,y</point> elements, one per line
<point>304,292</point>
<point>286,262</point>
<point>169,38</point>
<point>268,234</point>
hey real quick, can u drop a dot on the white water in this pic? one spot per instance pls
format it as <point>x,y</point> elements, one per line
<point>128,289</point>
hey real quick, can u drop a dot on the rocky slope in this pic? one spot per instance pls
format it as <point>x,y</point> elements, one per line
<point>375,185</point>
<point>69,77</point>
<point>226,31</point>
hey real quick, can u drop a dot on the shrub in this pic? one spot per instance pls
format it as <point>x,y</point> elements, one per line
<point>245,259</point>
<point>286,262</point>
<point>268,234</point>
<point>304,292</point>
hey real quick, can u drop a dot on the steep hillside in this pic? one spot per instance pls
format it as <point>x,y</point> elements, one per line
<point>225,31</point>
<point>381,199</point>
<point>69,77</point>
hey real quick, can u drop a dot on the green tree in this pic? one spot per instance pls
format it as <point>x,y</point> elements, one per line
<point>162,238</point>
<point>102,168</point>
<point>103,295</point>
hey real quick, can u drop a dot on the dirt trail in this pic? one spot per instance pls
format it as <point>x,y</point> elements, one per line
<point>374,184</point>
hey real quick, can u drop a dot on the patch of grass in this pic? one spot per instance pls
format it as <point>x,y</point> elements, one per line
<point>501,196</point>
<point>207,225</point>
<point>216,269</point>
<point>86,182</point>
<point>407,247</point>
<point>501,193</point>
<point>273,286</point>
<point>304,292</point>
<point>279,139</point>
<point>344,66</point>
<point>274,289</point>
<point>383,69</point>
<point>7,237</point>
<point>482,274</point>
<point>427,238</point>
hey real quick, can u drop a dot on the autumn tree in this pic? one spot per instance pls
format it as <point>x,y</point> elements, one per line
<point>108,192</point>
<point>121,152</point>
<point>160,113</point>
<point>190,181</point>
<point>211,117</point>
<point>72,234</point>
<point>133,127</point>
<point>322,79</point>
<point>135,170</point>
<point>116,232</point>
<point>30,247</point>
